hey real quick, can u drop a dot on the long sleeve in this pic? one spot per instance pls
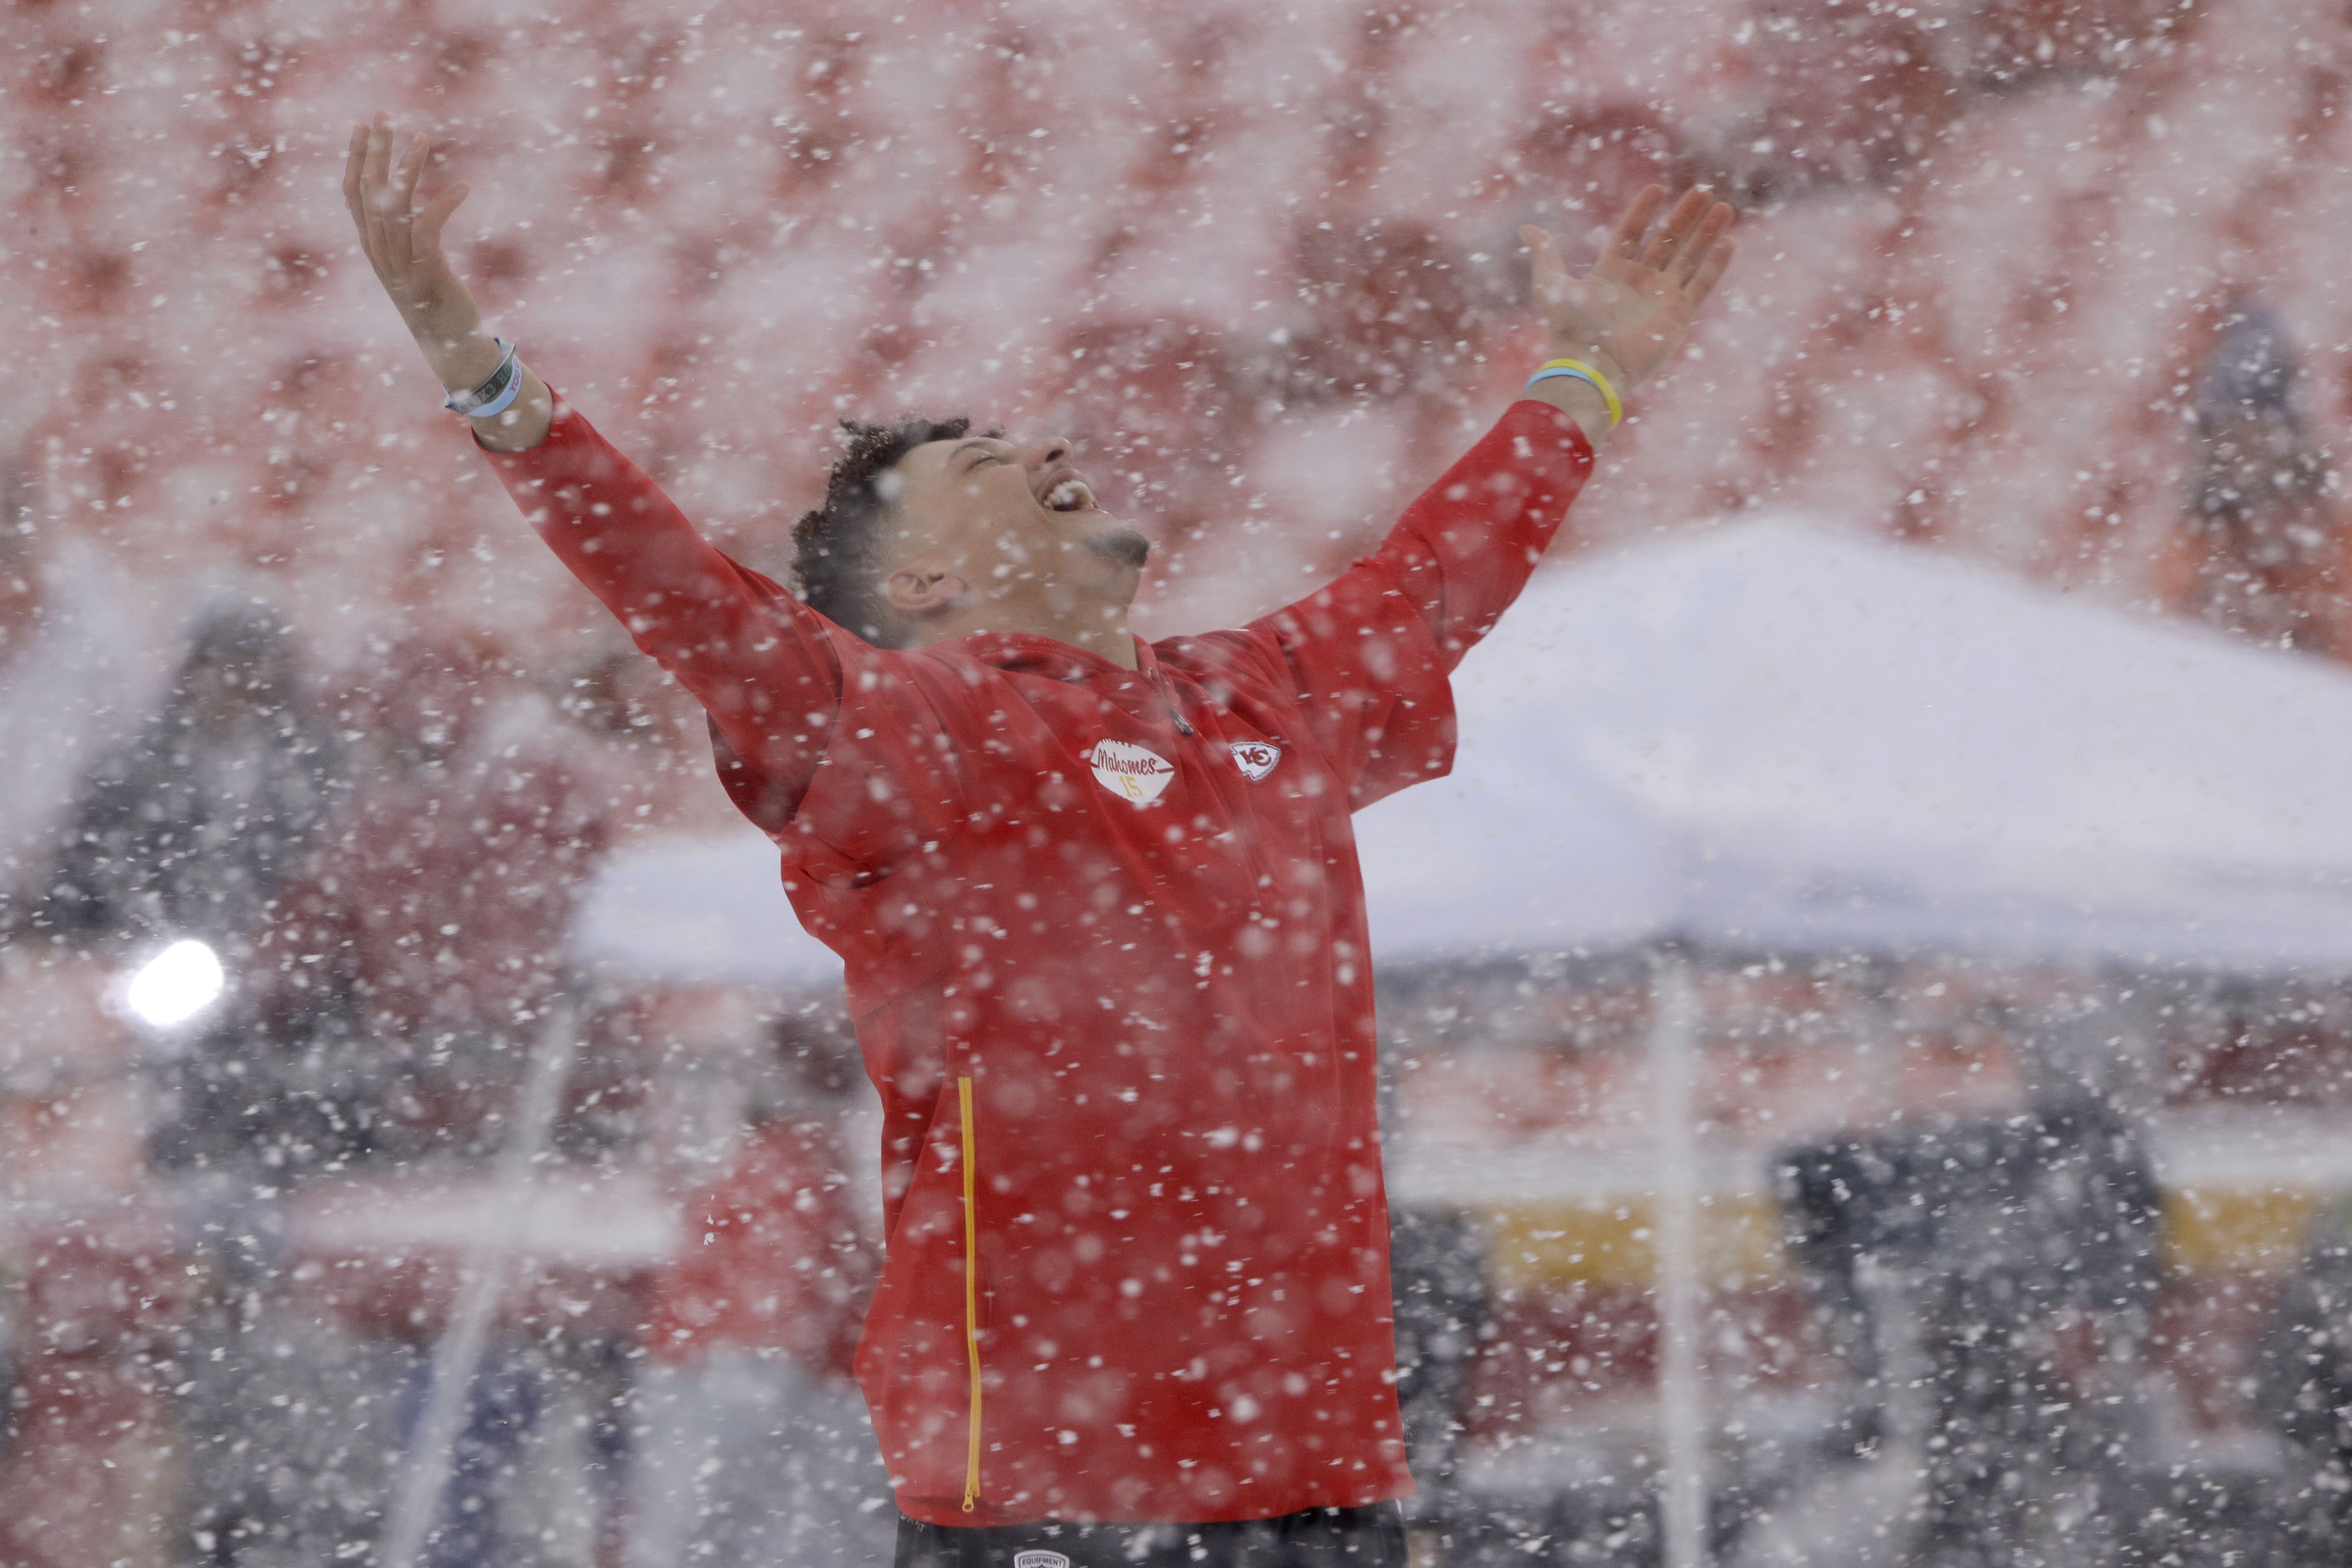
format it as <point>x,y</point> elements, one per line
<point>1467,545</point>
<point>1370,653</point>
<point>762,665</point>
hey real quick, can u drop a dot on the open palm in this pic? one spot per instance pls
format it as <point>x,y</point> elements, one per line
<point>403,242</point>
<point>1633,309</point>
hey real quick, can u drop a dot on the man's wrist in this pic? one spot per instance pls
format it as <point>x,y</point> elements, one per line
<point>1579,399</point>
<point>523,425</point>
<point>463,362</point>
<point>1579,402</point>
<point>1599,359</point>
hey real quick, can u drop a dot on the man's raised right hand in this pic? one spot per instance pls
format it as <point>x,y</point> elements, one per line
<point>404,245</point>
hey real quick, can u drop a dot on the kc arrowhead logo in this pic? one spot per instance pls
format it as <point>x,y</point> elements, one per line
<point>1256,757</point>
<point>1130,771</point>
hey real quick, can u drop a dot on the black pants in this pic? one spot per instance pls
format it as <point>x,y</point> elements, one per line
<point>1371,1537</point>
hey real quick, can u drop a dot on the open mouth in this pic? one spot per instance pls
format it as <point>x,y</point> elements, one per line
<point>1070,495</point>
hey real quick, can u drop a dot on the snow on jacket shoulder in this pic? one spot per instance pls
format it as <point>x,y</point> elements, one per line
<point>1104,937</point>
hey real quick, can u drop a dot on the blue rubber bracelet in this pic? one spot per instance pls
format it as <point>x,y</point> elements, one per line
<point>1578,374</point>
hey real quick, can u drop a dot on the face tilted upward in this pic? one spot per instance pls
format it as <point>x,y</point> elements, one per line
<point>1011,522</point>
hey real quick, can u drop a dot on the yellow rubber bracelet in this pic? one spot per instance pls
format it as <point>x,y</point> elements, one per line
<point>1586,374</point>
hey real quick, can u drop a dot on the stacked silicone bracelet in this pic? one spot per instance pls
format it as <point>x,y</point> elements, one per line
<point>494,395</point>
<point>1582,372</point>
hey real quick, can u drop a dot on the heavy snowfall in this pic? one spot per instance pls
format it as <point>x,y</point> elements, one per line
<point>1866,1027</point>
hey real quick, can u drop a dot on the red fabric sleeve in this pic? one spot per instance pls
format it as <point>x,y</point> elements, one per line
<point>762,665</point>
<point>1371,653</point>
<point>821,739</point>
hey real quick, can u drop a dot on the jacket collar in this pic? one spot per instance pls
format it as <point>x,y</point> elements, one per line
<point>1048,657</point>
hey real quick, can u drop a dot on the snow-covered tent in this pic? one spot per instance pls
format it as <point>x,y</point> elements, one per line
<point>1768,734</point>
<point>705,909</point>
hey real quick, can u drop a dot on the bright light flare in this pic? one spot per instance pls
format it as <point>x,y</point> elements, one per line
<point>176,984</point>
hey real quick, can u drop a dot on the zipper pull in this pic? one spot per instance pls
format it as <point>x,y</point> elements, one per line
<point>1173,711</point>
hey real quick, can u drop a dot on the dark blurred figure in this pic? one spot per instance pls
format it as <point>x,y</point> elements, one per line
<point>755,1448</point>
<point>1437,1264</point>
<point>288,1412</point>
<point>2302,1387</point>
<point>2269,545</point>
<point>496,1497</point>
<point>1989,1283</point>
<point>80,665</point>
<point>196,829</point>
<point>188,829</point>
<point>425,936</point>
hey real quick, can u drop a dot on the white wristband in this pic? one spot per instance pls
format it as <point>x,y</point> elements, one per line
<point>494,396</point>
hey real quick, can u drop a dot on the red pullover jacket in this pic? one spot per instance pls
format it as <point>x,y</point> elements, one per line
<point>1104,935</point>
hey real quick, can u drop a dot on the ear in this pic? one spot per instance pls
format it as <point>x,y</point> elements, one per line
<point>916,590</point>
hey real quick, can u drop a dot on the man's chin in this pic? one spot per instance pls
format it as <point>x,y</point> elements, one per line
<point>1122,544</point>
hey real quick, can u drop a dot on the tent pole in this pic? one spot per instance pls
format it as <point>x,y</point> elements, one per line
<point>1682,1479</point>
<point>490,1260</point>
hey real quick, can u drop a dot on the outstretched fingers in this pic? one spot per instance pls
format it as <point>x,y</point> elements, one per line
<point>373,198</point>
<point>435,213</point>
<point>354,163</point>
<point>376,170</point>
<point>405,173</point>
<point>1686,263</point>
<point>380,188</point>
<point>1681,224</point>
<point>399,199</point>
<point>1625,239</point>
<point>1710,272</point>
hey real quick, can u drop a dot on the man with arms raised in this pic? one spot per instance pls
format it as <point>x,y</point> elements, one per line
<point>1099,908</point>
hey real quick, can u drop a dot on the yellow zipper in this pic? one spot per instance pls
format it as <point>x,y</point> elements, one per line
<point>971,1296</point>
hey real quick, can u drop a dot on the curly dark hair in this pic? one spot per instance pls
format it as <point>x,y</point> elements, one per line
<point>837,549</point>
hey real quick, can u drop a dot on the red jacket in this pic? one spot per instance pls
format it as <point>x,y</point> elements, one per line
<point>1104,935</point>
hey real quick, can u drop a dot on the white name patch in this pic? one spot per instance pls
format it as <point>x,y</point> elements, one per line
<point>1130,771</point>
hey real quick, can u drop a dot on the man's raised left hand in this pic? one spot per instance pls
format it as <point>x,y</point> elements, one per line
<point>1626,316</point>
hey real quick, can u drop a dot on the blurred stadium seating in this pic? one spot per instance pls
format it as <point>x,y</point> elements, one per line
<point>2056,285</point>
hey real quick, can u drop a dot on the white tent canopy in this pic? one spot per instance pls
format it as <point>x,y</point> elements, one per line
<point>1770,734</point>
<point>706,909</point>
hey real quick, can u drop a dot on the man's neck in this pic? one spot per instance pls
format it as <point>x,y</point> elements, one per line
<point>1113,642</point>
<point>1087,609</point>
<point>1104,635</point>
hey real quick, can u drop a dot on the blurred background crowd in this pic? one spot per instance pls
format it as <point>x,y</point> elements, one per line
<point>444,1233</point>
